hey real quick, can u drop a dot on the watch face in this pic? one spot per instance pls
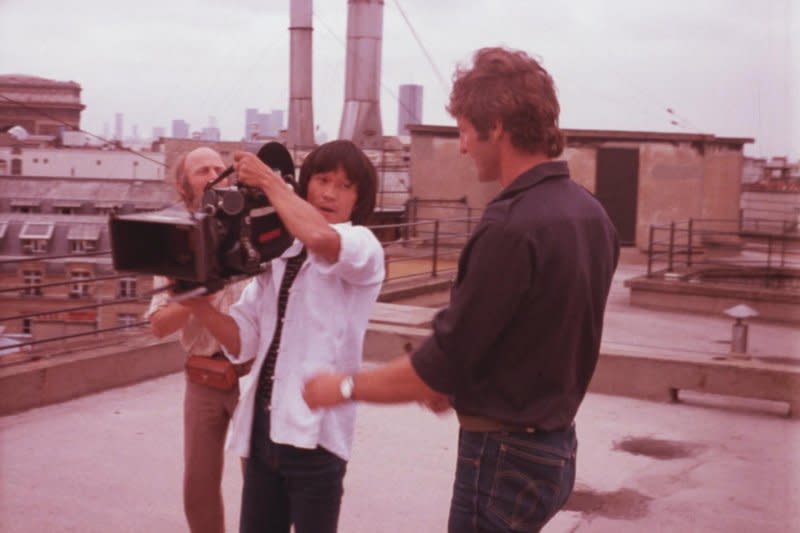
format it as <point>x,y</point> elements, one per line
<point>346,388</point>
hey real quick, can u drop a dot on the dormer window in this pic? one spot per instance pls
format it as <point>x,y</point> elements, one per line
<point>105,207</point>
<point>66,207</point>
<point>83,238</point>
<point>82,246</point>
<point>35,237</point>
<point>25,206</point>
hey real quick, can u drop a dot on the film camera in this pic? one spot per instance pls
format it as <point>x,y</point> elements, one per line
<point>232,234</point>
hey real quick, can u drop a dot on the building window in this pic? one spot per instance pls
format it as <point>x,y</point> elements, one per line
<point>35,237</point>
<point>31,279</point>
<point>16,167</point>
<point>83,237</point>
<point>127,287</point>
<point>77,246</point>
<point>27,326</point>
<point>35,246</point>
<point>126,319</point>
<point>99,162</point>
<point>3,166</point>
<point>80,285</point>
<point>25,209</point>
<point>66,210</point>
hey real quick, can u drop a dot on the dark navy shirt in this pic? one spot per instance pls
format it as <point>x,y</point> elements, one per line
<point>520,339</point>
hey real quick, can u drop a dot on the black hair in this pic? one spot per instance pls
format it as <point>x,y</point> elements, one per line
<point>357,167</point>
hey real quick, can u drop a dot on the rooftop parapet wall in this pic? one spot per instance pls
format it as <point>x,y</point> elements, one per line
<point>679,175</point>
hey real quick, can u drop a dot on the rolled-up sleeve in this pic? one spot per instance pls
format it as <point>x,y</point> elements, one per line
<point>159,299</point>
<point>360,256</point>
<point>245,312</point>
<point>495,274</point>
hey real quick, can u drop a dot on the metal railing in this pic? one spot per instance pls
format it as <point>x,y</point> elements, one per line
<point>733,250</point>
<point>424,248</point>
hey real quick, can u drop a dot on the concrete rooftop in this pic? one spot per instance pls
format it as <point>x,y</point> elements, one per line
<point>112,461</point>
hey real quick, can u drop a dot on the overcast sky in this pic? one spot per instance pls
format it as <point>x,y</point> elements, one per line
<point>726,67</point>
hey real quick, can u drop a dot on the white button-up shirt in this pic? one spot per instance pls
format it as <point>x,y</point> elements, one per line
<point>323,330</point>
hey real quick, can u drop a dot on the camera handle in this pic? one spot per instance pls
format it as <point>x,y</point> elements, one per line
<point>194,293</point>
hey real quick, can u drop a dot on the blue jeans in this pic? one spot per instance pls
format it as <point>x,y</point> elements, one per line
<point>285,486</point>
<point>511,481</point>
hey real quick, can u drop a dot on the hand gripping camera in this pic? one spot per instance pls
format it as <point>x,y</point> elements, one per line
<point>232,235</point>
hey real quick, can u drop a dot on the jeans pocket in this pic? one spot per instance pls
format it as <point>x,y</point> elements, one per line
<point>528,483</point>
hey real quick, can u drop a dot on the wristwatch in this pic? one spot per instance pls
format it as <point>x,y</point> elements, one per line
<point>346,388</point>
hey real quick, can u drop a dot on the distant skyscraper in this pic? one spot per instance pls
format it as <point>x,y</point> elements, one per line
<point>209,134</point>
<point>410,104</point>
<point>158,132</point>
<point>180,129</point>
<point>263,124</point>
<point>250,122</point>
<point>135,134</point>
<point>276,121</point>
<point>118,127</point>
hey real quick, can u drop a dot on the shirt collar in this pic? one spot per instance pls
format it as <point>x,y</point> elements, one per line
<point>292,250</point>
<point>534,176</point>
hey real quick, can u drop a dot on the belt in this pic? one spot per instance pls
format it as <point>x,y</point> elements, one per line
<point>240,369</point>
<point>484,424</point>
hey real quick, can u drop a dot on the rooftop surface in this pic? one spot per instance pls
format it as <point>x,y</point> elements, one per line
<point>112,461</point>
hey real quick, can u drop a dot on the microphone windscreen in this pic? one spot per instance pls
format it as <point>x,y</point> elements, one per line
<point>277,157</point>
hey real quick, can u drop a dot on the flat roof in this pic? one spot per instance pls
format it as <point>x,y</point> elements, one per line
<point>574,135</point>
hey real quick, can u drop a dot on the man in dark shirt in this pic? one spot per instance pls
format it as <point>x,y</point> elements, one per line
<point>514,351</point>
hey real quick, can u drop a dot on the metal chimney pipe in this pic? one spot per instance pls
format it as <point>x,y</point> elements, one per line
<point>361,117</point>
<point>300,132</point>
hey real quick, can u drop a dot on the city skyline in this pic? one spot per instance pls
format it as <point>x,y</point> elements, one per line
<point>716,67</point>
<point>179,128</point>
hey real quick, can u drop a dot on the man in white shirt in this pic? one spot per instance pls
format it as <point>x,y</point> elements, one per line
<point>206,410</point>
<point>296,319</point>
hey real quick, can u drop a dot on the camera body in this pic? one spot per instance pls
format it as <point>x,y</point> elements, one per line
<point>233,234</point>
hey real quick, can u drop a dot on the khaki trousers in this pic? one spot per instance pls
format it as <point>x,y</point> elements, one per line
<point>206,414</point>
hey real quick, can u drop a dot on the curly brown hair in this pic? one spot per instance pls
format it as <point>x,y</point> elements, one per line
<point>510,87</point>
